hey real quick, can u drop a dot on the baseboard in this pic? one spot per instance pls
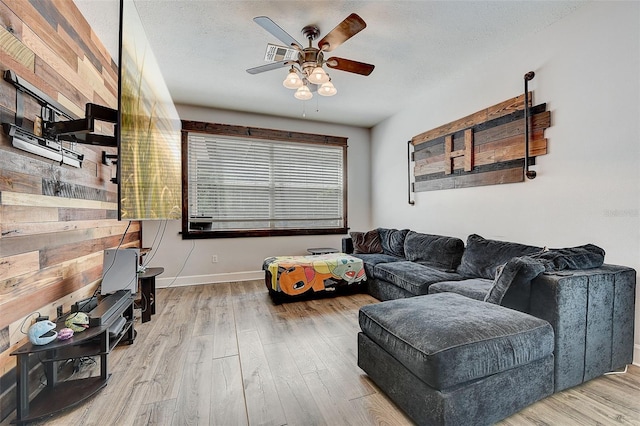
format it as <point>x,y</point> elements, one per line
<point>165,282</point>
<point>636,355</point>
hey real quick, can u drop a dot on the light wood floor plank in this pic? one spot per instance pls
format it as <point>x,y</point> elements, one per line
<point>224,354</point>
<point>261,396</point>
<point>227,398</point>
<point>193,403</point>
<point>295,397</point>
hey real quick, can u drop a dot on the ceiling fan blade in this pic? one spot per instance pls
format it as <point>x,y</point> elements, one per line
<point>276,31</point>
<point>350,66</point>
<point>269,67</point>
<point>346,29</point>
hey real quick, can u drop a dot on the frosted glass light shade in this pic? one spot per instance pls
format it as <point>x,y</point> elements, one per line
<point>292,81</point>
<point>318,76</point>
<point>327,89</point>
<point>303,93</point>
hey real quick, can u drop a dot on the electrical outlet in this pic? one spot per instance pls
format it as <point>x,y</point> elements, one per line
<point>59,311</point>
<point>214,258</point>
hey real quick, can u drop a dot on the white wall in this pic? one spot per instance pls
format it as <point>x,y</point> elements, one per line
<point>241,258</point>
<point>587,71</point>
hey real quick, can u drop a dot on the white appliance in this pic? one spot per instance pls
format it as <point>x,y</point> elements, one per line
<point>120,270</point>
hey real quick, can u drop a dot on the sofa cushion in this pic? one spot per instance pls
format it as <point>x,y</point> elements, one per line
<point>392,241</point>
<point>475,288</point>
<point>512,285</point>
<point>482,257</point>
<point>433,250</point>
<point>411,276</point>
<point>366,242</point>
<point>370,260</point>
<point>447,339</point>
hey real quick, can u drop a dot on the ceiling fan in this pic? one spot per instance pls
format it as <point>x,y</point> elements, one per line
<point>306,73</point>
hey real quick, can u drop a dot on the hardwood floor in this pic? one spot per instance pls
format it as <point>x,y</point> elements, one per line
<point>223,354</point>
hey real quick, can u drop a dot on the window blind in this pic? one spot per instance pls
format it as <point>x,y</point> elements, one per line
<point>247,184</point>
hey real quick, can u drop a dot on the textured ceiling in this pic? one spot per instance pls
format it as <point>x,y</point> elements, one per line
<point>204,48</point>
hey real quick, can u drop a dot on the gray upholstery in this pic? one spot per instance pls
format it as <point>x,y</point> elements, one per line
<point>476,288</point>
<point>447,339</point>
<point>479,402</point>
<point>513,283</point>
<point>582,257</point>
<point>382,290</point>
<point>592,314</point>
<point>482,257</point>
<point>370,260</point>
<point>392,241</point>
<point>411,276</point>
<point>437,251</point>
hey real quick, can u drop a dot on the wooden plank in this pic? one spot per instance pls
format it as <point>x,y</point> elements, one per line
<point>13,266</point>
<point>469,150</point>
<point>495,111</point>
<point>482,134</point>
<point>16,307</point>
<point>227,397</point>
<point>44,29</point>
<point>193,402</point>
<point>448,146</point>
<point>504,150</point>
<point>20,182</point>
<point>475,179</point>
<point>538,122</point>
<point>263,404</point>
<point>9,198</point>
<point>14,48</point>
<point>296,398</point>
<point>260,133</point>
<point>11,215</point>
<point>18,229</point>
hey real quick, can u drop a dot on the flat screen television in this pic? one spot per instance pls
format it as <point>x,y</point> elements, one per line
<point>148,131</point>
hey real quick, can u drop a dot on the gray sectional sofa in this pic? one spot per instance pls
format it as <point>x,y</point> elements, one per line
<point>470,334</point>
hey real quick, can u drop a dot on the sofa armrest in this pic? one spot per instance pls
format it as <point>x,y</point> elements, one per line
<point>347,245</point>
<point>592,314</point>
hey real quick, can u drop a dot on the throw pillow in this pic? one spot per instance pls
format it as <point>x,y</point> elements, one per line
<point>582,257</point>
<point>366,242</point>
<point>392,241</point>
<point>437,251</point>
<point>512,285</point>
<point>482,257</point>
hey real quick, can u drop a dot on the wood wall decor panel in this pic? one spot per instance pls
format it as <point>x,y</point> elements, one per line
<point>12,266</point>
<point>479,149</point>
<point>14,48</point>
<point>55,221</point>
<point>495,111</point>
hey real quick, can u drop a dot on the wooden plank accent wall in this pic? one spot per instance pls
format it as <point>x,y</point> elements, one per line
<point>484,148</point>
<point>55,221</point>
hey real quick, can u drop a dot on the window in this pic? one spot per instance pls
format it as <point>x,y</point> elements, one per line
<point>241,181</point>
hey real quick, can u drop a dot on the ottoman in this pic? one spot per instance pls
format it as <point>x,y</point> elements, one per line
<point>446,359</point>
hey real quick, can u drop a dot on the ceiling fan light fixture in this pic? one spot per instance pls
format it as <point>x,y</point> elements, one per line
<point>318,76</point>
<point>327,89</point>
<point>303,93</point>
<point>293,80</point>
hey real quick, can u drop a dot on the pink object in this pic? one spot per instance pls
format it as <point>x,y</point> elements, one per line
<point>65,333</point>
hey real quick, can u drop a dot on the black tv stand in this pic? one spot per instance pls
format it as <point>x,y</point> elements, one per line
<point>95,341</point>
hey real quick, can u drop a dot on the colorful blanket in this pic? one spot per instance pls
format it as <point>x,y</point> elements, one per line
<point>294,275</point>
